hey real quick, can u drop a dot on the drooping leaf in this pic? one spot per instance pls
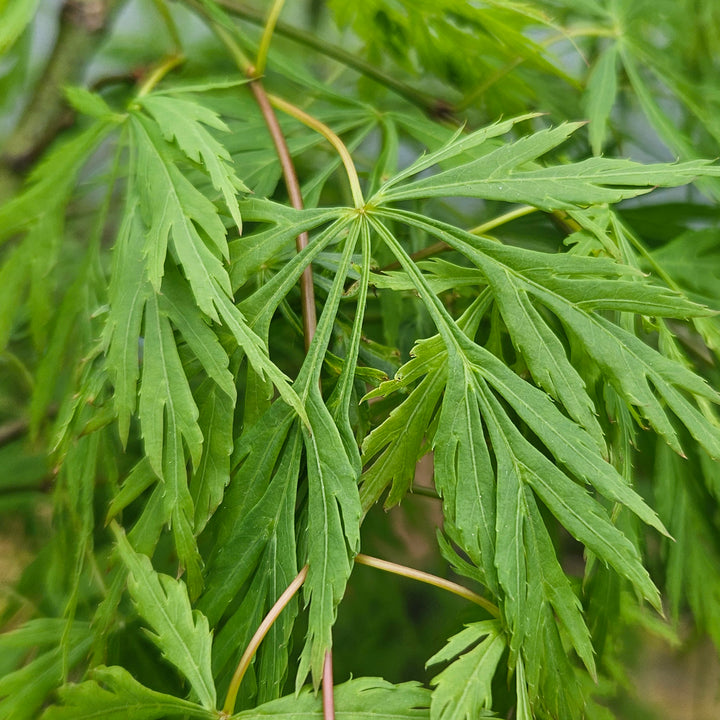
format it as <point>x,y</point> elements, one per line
<point>51,181</point>
<point>501,174</point>
<point>177,219</point>
<point>23,691</point>
<point>167,406</point>
<point>256,520</point>
<point>186,122</point>
<point>463,689</point>
<point>129,291</point>
<point>464,475</point>
<point>333,530</point>
<point>334,511</point>
<point>582,516</point>
<point>692,575</point>
<point>272,557</point>
<point>355,699</point>
<point>212,473</point>
<point>629,363</point>
<point>177,305</point>
<point>600,96</point>
<point>113,693</point>
<point>181,633</point>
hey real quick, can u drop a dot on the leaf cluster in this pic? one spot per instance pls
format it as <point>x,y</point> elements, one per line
<point>526,304</point>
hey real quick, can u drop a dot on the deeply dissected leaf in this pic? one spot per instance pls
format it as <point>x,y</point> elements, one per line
<point>464,475</point>
<point>250,508</point>
<point>630,364</point>
<point>355,699</point>
<point>515,541</point>
<point>583,517</point>
<point>183,212</point>
<point>186,122</point>
<point>463,689</point>
<point>167,407</point>
<point>258,520</point>
<point>181,633</point>
<point>177,219</point>
<point>23,691</point>
<point>176,304</point>
<point>155,354</point>
<point>128,293</point>
<point>212,473</point>
<point>692,578</point>
<point>249,254</point>
<point>500,174</point>
<point>551,427</point>
<point>334,511</point>
<point>169,423</point>
<point>50,184</point>
<point>399,440</point>
<point>113,693</point>
<point>333,530</point>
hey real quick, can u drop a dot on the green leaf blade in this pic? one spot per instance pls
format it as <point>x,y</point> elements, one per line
<point>114,694</point>
<point>334,515</point>
<point>359,698</point>
<point>463,690</point>
<point>600,95</point>
<point>185,121</point>
<point>182,634</point>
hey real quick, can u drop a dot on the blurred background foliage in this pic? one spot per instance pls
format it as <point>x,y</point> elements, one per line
<point>644,71</point>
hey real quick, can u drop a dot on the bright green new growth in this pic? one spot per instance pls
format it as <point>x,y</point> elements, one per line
<point>561,373</point>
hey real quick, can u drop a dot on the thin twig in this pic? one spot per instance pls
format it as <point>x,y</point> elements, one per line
<point>429,579</point>
<point>503,219</point>
<point>272,19</point>
<point>257,638</point>
<point>425,492</point>
<point>332,138</point>
<point>327,688</point>
<point>159,72</point>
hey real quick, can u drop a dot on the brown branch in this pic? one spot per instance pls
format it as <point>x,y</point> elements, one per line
<point>47,113</point>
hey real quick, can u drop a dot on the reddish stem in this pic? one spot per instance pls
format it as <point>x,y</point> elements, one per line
<point>327,688</point>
